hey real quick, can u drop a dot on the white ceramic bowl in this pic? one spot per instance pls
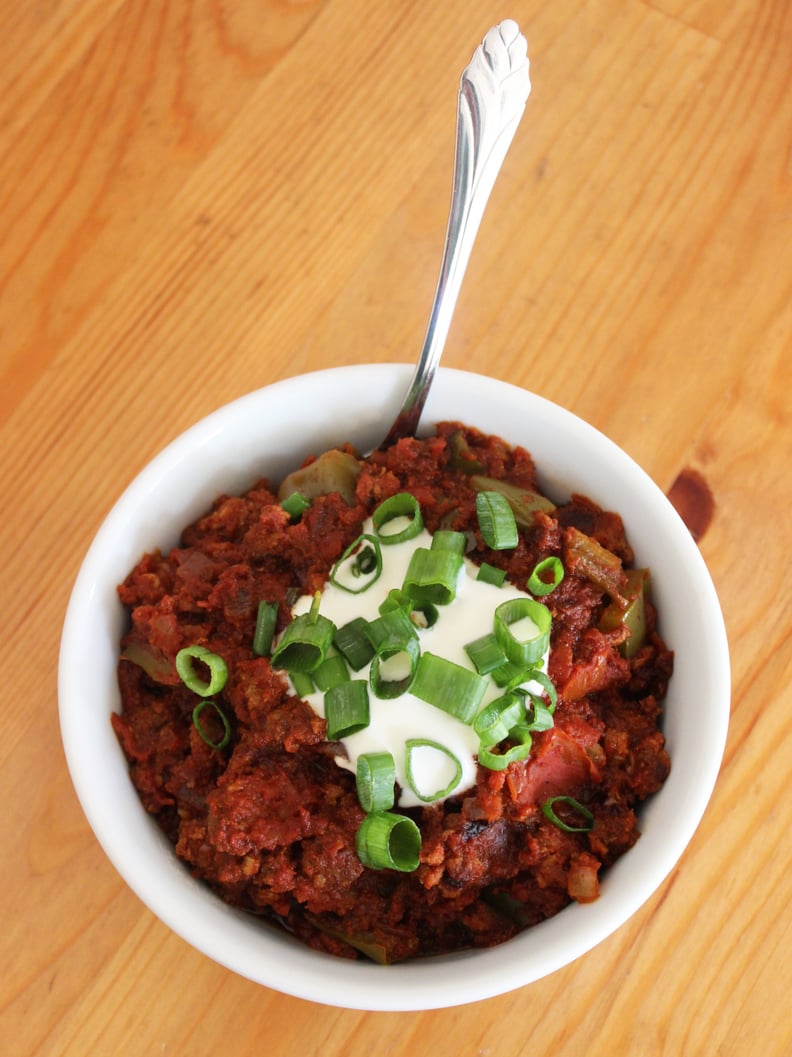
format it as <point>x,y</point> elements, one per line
<point>267,433</point>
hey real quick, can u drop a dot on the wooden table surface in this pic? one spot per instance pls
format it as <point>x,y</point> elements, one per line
<point>200,197</point>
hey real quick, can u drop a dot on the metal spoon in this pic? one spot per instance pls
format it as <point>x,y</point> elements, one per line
<point>492,94</point>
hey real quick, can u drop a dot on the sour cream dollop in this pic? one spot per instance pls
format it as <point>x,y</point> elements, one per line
<point>395,721</point>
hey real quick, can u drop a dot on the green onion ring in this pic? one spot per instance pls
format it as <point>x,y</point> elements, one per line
<point>432,575</point>
<point>296,504</point>
<point>196,718</point>
<point>356,567</point>
<point>375,779</point>
<point>548,807</point>
<point>346,709</point>
<point>499,761</point>
<point>496,521</point>
<point>546,683</point>
<point>537,584</point>
<point>218,670</point>
<point>491,574</point>
<point>496,719</point>
<point>389,841</point>
<point>266,619</point>
<point>401,505</point>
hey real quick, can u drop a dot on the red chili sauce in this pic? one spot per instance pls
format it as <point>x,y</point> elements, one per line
<point>270,821</point>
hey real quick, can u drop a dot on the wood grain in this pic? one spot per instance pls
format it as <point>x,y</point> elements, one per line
<point>200,197</point>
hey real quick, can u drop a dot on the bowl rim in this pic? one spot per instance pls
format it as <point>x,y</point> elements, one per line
<point>223,933</point>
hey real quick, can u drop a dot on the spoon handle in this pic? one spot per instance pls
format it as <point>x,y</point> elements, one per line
<point>492,94</point>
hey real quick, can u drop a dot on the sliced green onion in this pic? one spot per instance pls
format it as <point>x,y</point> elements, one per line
<point>396,653</point>
<point>537,715</point>
<point>524,503</point>
<point>393,670</point>
<point>265,628</point>
<point>305,642</point>
<point>449,540</point>
<point>448,686</point>
<point>509,676</point>
<point>296,504</point>
<point>375,779</point>
<point>422,614</point>
<point>432,576</point>
<point>452,768</point>
<point>497,718</point>
<point>548,807</point>
<point>496,521</point>
<point>389,841</point>
<point>485,653</point>
<point>352,641</point>
<point>393,626</point>
<point>402,508</point>
<point>196,718</point>
<point>359,566</point>
<point>331,672</point>
<point>522,627</point>
<point>499,761</point>
<point>346,709</point>
<point>395,599</point>
<point>491,574</point>
<point>302,682</point>
<point>546,683</point>
<point>218,670</point>
<point>539,583</point>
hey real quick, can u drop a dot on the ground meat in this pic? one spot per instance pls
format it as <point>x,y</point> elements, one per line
<point>269,820</point>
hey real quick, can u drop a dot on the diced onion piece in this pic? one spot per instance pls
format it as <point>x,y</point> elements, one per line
<point>218,670</point>
<point>393,667</point>
<point>389,841</point>
<point>302,682</point>
<point>524,503</point>
<point>496,521</point>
